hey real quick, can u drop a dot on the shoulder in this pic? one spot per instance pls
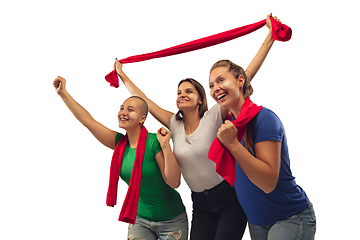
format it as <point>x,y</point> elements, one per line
<point>175,124</point>
<point>152,142</point>
<point>214,114</point>
<point>118,137</point>
<point>214,111</point>
<point>267,126</point>
<point>268,114</point>
<point>151,137</point>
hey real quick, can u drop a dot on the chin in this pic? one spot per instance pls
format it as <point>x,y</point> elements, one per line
<point>223,104</point>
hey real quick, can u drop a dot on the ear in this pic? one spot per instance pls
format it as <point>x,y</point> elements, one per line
<point>142,119</point>
<point>241,81</point>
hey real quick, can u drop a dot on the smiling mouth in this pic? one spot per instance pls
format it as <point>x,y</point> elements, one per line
<point>182,100</point>
<point>123,119</point>
<point>221,96</point>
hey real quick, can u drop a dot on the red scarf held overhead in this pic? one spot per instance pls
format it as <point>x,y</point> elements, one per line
<point>218,153</point>
<point>280,32</point>
<point>130,205</point>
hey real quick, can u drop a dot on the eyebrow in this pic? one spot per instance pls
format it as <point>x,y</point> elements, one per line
<point>217,78</point>
<point>189,88</point>
<point>127,106</point>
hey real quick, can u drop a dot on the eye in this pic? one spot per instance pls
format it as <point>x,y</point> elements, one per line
<point>211,86</point>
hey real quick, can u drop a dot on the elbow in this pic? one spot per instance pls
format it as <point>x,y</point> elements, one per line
<point>270,187</point>
<point>173,184</point>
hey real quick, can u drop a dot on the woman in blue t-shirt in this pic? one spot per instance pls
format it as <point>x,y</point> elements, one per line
<point>276,207</point>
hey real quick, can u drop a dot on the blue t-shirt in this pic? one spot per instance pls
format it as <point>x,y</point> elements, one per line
<point>287,198</point>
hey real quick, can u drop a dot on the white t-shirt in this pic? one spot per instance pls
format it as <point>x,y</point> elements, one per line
<point>191,151</point>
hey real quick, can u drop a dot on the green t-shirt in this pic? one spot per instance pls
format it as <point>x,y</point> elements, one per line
<point>157,201</point>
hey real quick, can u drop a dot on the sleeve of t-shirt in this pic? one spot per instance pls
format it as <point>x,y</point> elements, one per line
<point>267,127</point>
<point>174,125</point>
<point>215,115</point>
<point>155,143</point>
<point>118,137</point>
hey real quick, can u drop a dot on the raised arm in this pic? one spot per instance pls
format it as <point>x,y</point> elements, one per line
<point>259,58</point>
<point>166,161</point>
<point>101,133</point>
<point>162,115</point>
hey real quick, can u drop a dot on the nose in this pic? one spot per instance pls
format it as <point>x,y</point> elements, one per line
<point>182,94</point>
<point>215,88</point>
<point>121,112</point>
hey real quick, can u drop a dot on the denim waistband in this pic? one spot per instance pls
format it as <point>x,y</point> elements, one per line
<point>220,188</point>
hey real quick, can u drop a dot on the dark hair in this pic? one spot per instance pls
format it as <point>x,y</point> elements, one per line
<point>199,88</point>
<point>144,109</point>
<point>237,71</point>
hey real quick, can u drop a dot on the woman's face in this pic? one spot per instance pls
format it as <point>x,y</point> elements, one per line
<point>187,96</point>
<point>225,88</point>
<point>130,115</point>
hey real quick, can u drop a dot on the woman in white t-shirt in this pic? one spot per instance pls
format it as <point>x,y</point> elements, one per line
<point>217,213</point>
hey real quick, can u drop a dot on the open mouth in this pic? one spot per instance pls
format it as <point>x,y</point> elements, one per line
<point>122,119</point>
<point>221,96</point>
<point>182,100</point>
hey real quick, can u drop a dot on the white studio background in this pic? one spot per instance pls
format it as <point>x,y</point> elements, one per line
<point>54,174</point>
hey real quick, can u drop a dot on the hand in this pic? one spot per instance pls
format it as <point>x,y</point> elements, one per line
<point>227,133</point>
<point>118,66</point>
<point>59,84</point>
<point>268,22</point>
<point>163,136</point>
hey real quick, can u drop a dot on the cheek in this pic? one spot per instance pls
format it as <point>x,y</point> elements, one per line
<point>212,93</point>
<point>229,85</point>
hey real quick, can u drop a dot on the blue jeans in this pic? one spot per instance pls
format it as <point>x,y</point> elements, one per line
<point>172,229</point>
<point>217,214</point>
<point>301,226</point>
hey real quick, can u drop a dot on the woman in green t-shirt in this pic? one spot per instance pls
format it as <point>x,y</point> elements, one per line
<point>161,212</point>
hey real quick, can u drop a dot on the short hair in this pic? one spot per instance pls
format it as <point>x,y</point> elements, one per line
<point>144,109</point>
<point>199,88</point>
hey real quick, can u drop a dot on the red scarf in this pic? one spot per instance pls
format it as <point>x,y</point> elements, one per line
<point>218,153</point>
<point>130,205</point>
<point>280,32</point>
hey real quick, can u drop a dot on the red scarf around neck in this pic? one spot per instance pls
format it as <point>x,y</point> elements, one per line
<point>130,205</point>
<point>280,32</point>
<point>218,153</point>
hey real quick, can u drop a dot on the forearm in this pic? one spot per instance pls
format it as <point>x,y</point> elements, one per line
<point>133,89</point>
<point>162,115</point>
<point>77,110</point>
<point>259,58</point>
<point>258,171</point>
<point>172,171</point>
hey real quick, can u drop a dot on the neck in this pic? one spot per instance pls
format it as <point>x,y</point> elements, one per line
<point>191,121</point>
<point>133,136</point>
<point>237,107</point>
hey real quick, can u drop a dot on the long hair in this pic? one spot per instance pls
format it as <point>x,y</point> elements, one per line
<point>199,88</point>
